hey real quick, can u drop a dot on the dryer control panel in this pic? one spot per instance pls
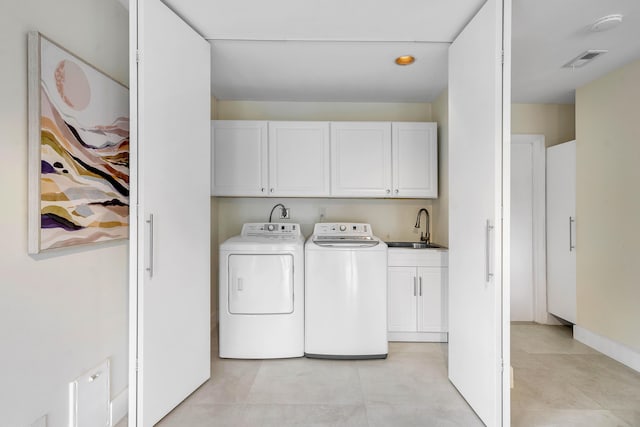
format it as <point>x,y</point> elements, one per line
<point>274,229</point>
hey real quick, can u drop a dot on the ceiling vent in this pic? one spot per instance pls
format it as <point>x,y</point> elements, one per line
<point>584,58</point>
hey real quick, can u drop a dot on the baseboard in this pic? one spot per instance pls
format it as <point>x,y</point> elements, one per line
<point>418,336</point>
<point>119,407</point>
<point>611,348</point>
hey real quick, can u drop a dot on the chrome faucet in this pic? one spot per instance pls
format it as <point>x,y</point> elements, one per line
<point>423,237</point>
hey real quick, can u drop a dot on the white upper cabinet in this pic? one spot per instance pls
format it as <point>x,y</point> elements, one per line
<point>415,160</point>
<point>259,158</point>
<point>322,159</point>
<point>239,158</point>
<point>361,159</point>
<point>376,159</point>
<point>299,159</point>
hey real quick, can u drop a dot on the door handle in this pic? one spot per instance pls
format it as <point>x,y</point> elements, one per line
<point>420,286</point>
<point>571,245</point>
<point>414,287</point>
<point>489,274</point>
<point>240,285</point>
<point>150,265</point>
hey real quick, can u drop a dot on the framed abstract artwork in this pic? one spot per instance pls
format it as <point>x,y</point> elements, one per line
<point>78,150</point>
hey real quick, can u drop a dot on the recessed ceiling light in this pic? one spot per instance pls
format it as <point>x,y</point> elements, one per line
<point>606,23</point>
<point>405,60</point>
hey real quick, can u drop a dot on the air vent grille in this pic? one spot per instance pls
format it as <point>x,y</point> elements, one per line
<point>584,58</point>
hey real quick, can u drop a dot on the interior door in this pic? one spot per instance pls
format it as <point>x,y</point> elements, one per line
<point>479,103</point>
<point>561,231</point>
<point>170,243</point>
<point>522,290</point>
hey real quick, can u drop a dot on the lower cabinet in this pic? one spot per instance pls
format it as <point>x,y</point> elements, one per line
<point>417,295</point>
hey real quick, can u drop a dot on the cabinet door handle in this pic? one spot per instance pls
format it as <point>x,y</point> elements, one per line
<point>414,287</point>
<point>571,245</point>
<point>388,191</point>
<point>272,190</point>
<point>262,189</point>
<point>150,265</point>
<point>488,250</point>
<point>397,191</point>
<point>420,286</point>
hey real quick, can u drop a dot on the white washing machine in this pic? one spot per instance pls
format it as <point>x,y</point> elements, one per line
<point>345,293</point>
<point>261,292</point>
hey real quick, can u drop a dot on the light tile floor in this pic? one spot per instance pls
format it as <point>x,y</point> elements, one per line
<point>558,382</point>
<point>561,382</point>
<point>409,388</point>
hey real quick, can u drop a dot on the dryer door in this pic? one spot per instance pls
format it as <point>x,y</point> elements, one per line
<point>260,284</point>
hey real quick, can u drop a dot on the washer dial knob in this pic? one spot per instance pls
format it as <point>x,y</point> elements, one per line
<point>343,228</point>
<point>271,227</point>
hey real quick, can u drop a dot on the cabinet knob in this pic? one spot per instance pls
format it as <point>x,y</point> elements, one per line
<point>262,189</point>
<point>271,190</point>
<point>397,191</point>
<point>388,191</point>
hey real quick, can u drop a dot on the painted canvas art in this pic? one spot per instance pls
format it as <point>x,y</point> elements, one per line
<point>79,150</point>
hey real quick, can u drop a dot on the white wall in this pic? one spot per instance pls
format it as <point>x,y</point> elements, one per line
<point>608,206</point>
<point>65,312</point>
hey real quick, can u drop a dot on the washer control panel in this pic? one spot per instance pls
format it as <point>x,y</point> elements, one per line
<point>275,229</point>
<point>342,228</point>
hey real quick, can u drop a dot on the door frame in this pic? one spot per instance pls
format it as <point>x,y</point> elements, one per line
<point>539,224</point>
<point>538,233</point>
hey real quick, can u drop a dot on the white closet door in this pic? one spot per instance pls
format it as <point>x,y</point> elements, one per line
<point>561,230</point>
<point>170,237</point>
<point>478,155</point>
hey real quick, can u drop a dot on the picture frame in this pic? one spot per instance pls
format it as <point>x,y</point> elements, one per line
<point>78,140</point>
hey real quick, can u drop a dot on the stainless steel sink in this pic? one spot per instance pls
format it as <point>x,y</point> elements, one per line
<point>413,245</point>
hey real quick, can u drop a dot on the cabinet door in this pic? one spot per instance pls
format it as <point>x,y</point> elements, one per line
<point>299,159</point>
<point>361,159</point>
<point>239,158</point>
<point>561,232</point>
<point>415,160</point>
<point>401,302</point>
<point>432,303</point>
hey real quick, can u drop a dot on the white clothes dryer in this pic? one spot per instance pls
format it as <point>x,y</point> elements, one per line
<point>345,293</point>
<point>261,291</point>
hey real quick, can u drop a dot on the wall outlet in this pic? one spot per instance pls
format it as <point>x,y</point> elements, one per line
<point>285,213</point>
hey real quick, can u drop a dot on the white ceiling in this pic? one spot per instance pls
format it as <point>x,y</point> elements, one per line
<point>343,50</point>
<point>549,33</point>
<point>327,71</point>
